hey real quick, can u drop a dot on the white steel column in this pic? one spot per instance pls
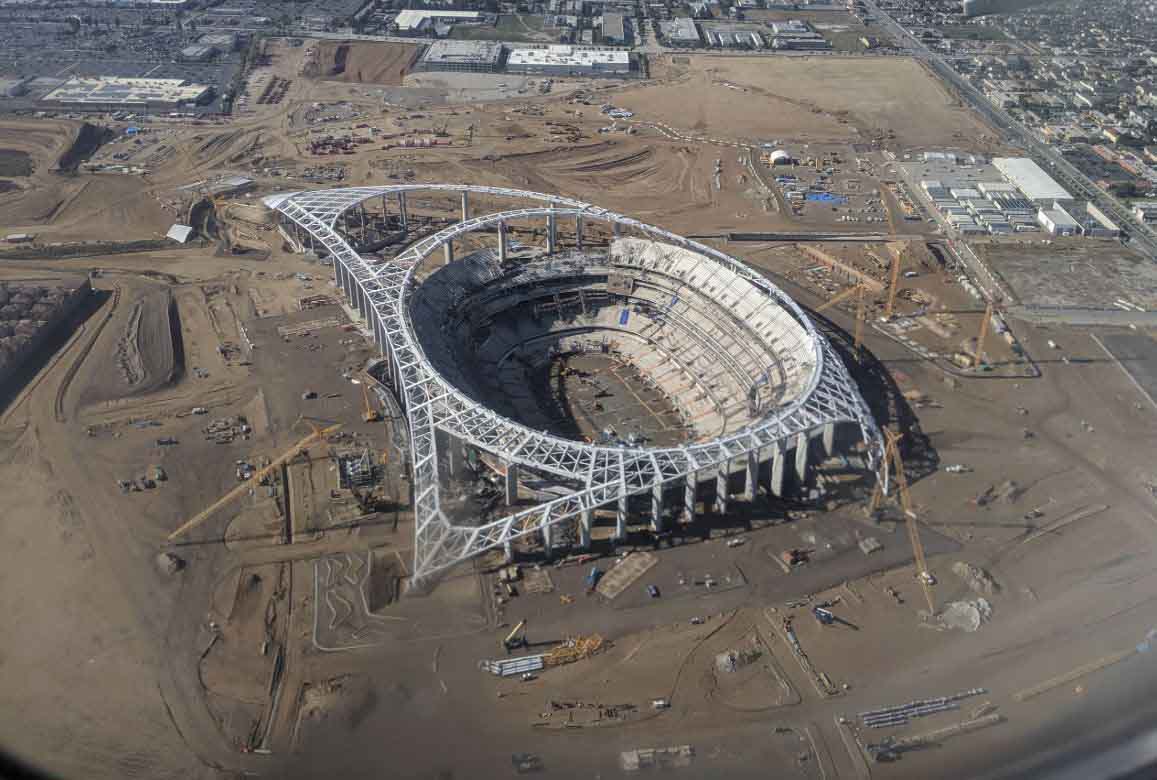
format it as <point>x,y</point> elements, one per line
<point>551,234</point>
<point>778,461</point>
<point>691,483</point>
<point>829,439</point>
<point>585,521</point>
<point>465,206</point>
<point>657,507</point>
<point>502,242</point>
<point>403,212</point>
<point>801,453</point>
<point>721,478</point>
<point>511,483</point>
<point>548,539</point>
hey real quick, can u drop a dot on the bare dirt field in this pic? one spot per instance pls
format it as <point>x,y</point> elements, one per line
<point>366,63</point>
<point>804,99</point>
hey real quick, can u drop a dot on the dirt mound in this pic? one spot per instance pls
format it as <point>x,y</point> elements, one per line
<point>366,63</point>
<point>347,698</point>
<point>147,354</point>
<point>88,139</point>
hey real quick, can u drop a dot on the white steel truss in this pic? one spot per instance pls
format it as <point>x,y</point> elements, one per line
<point>604,475</point>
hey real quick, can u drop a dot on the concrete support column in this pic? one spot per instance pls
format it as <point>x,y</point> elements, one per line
<point>448,249</point>
<point>829,439</point>
<point>502,242</point>
<point>617,230</point>
<point>465,206</point>
<point>657,508</point>
<point>403,213</point>
<point>586,520</point>
<point>621,519</point>
<point>721,478</point>
<point>551,234</point>
<point>578,231</point>
<point>548,540</point>
<point>801,453</point>
<point>511,483</point>
<point>690,487</point>
<point>778,461</point>
<point>508,549</point>
<point>751,486</point>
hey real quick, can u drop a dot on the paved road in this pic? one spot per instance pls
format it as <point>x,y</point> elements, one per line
<point>1141,237</point>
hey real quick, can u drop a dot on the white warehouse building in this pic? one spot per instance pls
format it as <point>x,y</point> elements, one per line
<point>560,60</point>
<point>1031,179</point>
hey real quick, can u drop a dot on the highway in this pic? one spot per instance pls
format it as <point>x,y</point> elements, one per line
<point>1141,237</point>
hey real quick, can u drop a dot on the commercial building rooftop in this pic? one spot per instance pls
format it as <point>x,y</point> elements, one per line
<point>127,91</point>
<point>571,56</point>
<point>1031,179</point>
<point>462,53</point>
<point>411,20</point>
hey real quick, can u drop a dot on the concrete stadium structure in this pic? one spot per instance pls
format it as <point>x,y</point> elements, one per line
<point>759,389</point>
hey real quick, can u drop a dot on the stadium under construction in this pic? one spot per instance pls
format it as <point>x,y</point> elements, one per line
<point>610,372</point>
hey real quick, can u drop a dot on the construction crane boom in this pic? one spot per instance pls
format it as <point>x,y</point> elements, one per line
<point>892,458</point>
<point>982,336</point>
<point>369,413</point>
<point>259,475</point>
<point>858,291</point>
<point>892,285</point>
<point>840,297</point>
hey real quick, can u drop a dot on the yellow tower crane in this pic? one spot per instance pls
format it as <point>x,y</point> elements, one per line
<point>893,461</point>
<point>976,358</point>
<point>859,291</point>
<point>369,412</point>
<point>260,474</point>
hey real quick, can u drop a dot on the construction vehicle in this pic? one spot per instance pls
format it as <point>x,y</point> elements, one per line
<point>895,463</point>
<point>369,413</point>
<point>593,577</point>
<point>516,639</point>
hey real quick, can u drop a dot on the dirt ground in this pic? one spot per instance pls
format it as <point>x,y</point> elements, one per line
<point>276,647</point>
<point>367,63</point>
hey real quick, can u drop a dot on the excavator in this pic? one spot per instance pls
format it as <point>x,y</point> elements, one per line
<point>516,639</point>
<point>370,413</point>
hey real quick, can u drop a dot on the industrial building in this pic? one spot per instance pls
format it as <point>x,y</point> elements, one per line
<point>462,56</point>
<point>102,94</point>
<point>731,38</point>
<point>1058,223</point>
<point>681,32</point>
<point>560,60</point>
<point>425,22</point>
<point>615,30</point>
<point>1031,179</point>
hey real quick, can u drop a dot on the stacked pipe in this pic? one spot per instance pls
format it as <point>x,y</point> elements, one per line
<point>900,714</point>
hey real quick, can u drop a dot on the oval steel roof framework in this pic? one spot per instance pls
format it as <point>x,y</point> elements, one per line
<point>605,475</point>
